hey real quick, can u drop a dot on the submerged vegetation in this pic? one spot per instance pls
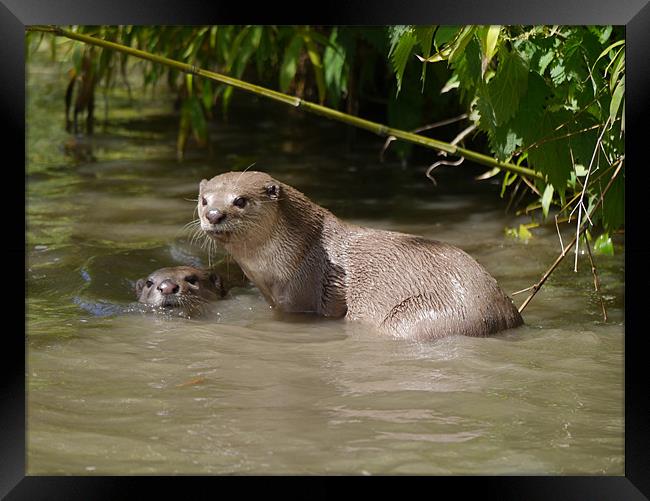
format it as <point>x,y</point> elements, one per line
<point>549,98</point>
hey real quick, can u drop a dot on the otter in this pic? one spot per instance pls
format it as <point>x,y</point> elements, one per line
<point>304,259</point>
<point>185,288</point>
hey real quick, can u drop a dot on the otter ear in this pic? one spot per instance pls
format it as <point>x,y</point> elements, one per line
<point>273,191</point>
<point>202,185</point>
<point>218,284</point>
<point>139,285</point>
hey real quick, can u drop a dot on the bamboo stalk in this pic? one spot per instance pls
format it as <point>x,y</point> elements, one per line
<point>377,128</point>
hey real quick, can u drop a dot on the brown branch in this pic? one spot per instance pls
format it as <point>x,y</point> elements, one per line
<point>512,195</point>
<point>548,139</point>
<point>559,259</point>
<point>596,280</point>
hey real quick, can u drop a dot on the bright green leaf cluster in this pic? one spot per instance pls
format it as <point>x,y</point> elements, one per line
<point>552,97</point>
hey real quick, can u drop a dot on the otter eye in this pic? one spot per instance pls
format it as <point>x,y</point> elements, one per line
<point>192,279</point>
<point>204,202</point>
<point>239,202</point>
<point>149,283</point>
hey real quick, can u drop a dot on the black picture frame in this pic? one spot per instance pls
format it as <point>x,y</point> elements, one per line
<point>634,14</point>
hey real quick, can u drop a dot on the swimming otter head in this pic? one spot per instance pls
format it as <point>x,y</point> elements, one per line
<point>239,206</point>
<point>184,287</point>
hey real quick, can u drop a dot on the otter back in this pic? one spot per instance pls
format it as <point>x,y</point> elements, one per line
<point>416,288</point>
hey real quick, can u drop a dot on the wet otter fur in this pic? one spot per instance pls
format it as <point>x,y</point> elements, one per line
<point>304,259</point>
<point>184,288</point>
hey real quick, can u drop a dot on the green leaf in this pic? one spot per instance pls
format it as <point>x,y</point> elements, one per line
<point>504,141</point>
<point>489,36</point>
<point>508,86</point>
<point>547,197</point>
<point>225,101</point>
<point>290,62</point>
<point>76,58</point>
<point>395,33</point>
<point>524,234</point>
<point>459,44</point>
<point>207,94</point>
<point>452,83</point>
<point>602,32</point>
<point>508,179</point>
<point>197,119</point>
<point>405,112</point>
<point>623,117</point>
<point>183,131</point>
<point>488,120</point>
<point>444,34</point>
<point>580,170</point>
<point>401,54</point>
<point>582,144</point>
<point>551,156</point>
<point>424,35</point>
<point>527,120</point>
<point>544,61</point>
<point>617,97</point>
<point>558,72</point>
<point>603,245</point>
<point>617,66</point>
<point>248,45</point>
<point>317,65</point>
<point>607,50</point>
<point>468,66</point>
<point>334,63</point>
<point>613,208</point>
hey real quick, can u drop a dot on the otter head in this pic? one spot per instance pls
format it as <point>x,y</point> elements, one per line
<point>183,287</point>
<point>239,206</point>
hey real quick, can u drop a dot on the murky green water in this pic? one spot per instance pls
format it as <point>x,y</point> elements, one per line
<point>242,391</point>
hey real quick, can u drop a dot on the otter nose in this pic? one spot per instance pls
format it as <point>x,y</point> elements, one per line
<point>215,216</point>
<point>168,287</point>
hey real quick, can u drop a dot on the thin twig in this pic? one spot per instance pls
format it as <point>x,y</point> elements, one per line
<point>522,290</point>
<point>596,280</point>
<point>442,162</point>
<point>557,227</point>
<point>581,204</point>
<point>512,195</point>
<point>531,186</point>
<point>447,121</point>
<point>521,196</point>
<point>460,136</point>
<point>539,284</point>
<point>557,138</point>
<point>455,141</point>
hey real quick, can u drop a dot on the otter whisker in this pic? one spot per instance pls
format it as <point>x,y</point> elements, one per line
<point>193,222</point>
<point>192,225</point>
<point>242,173</point>
<point>196,234</point>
